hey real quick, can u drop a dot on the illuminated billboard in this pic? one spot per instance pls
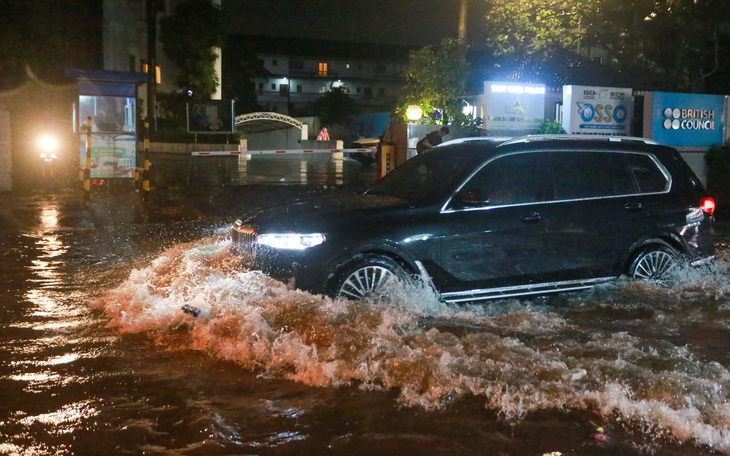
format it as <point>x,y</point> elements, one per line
<point>514,106</point>
<point>597,110</point>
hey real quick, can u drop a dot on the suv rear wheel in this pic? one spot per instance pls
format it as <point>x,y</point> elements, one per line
<point>655,263</point>
<point>364,277</point>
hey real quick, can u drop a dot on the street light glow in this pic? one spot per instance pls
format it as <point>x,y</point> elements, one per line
<point>48,144</point>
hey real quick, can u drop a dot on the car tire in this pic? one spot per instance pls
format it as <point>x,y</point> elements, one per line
<point>655,263</point>
<point>361,279</point>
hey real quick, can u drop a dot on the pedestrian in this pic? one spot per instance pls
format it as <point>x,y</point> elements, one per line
<point>323,135</point>
<point>431,140</point>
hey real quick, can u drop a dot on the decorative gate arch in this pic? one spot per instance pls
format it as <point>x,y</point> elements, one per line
<point>273,118</point>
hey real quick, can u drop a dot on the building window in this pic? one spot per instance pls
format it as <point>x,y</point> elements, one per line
<point>132,63</point>
<point>347,65</point>
<point>323,68</point>
<point>323,89</point>
<point>274,62</point>
<point>297,65</point>
<point>368,92</point>
<point>261,86</point>
<point>273,86</point>
<point>358,90</point>
<point>299,88</point>
<point>158,73</point>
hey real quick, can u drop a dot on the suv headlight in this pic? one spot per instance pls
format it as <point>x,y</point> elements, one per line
<point>290,241</point>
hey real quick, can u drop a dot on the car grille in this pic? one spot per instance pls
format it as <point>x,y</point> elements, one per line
<point>243,240</point>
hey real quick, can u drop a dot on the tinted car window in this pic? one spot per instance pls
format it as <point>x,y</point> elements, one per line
<point>428,177</point>
<point>512,179</point>
<point>649,177</point>
<point>591,175</point>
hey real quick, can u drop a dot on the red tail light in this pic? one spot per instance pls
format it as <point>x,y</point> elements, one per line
<point>708,205</point>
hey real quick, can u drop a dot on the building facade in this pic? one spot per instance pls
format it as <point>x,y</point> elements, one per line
<point>298,72</point>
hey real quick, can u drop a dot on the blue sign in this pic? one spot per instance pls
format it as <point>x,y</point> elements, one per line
<point>686,119</point>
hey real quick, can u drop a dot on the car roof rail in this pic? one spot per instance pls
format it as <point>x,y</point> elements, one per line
<point>547,137</point>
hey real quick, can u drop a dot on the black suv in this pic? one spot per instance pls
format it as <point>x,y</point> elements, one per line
<point>478,219</point>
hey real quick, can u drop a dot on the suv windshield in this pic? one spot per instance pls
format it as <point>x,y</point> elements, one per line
<point>430,176</point>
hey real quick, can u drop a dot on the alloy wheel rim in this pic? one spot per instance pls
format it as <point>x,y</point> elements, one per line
<point>364,281</point>
<point>655,267</point>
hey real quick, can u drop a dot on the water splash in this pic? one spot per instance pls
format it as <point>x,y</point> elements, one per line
<point>628,340</point>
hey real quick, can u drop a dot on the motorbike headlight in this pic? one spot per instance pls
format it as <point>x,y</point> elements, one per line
<point>290,241</point>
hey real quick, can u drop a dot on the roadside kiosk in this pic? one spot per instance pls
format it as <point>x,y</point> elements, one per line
<point>105,123</point>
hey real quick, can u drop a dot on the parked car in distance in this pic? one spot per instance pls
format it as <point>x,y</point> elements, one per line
<point>482,219</point>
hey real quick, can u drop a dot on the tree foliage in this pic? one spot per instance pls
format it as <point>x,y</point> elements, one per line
<point>246,66</point>
<point>436,80</point>
<point>188,37</point>
<point>520,27</point>
<point>662,44</point>
<point>333,107</point>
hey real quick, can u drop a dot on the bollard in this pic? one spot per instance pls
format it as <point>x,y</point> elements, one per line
<point>146,167</point>
<point>87,165</point>
<point>385,154</point>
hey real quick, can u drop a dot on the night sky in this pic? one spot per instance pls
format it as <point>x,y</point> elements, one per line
<point>410,22</point>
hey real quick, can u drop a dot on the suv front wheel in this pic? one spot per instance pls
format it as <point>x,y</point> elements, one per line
<point>655,263</point>
<point>364,277</point>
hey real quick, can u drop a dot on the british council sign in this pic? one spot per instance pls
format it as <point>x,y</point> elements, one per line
<point>684,119</point>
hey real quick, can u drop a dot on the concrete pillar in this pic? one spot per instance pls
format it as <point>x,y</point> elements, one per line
<point>6,165</point>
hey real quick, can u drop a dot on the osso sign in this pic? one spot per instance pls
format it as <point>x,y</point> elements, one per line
<point>684,119</point>
<point>597,110</point>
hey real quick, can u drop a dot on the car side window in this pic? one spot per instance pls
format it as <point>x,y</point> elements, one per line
<point>513,179</point>
<point>649,177</point>
<point>591,175</point>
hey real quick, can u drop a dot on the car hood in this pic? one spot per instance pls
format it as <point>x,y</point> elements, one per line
<point>324,213</point>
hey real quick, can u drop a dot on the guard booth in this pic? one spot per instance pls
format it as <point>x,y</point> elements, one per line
<point>108,101</point>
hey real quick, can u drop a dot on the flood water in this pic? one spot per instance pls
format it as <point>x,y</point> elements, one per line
<point>98,357</point>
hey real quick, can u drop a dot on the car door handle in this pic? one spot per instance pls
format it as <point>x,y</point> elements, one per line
<point>532,217</point>
<point>632,206</point>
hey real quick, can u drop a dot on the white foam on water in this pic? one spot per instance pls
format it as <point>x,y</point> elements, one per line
<point>520,357</point>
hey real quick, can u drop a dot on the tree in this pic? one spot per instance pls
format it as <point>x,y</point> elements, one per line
<point>188,37</point>
<point>521,27</point>
<point>436,80</point>
<point>242,62</point>
<point>661,44</point>
<point>334,107</point>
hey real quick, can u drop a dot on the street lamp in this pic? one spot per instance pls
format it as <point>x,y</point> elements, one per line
<point>48,146</point>
<point>414,113</point>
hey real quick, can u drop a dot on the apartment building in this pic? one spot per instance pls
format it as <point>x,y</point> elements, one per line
<point>299,71</point>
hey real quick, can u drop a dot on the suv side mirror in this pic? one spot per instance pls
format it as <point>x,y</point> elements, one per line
<point>471,197</point>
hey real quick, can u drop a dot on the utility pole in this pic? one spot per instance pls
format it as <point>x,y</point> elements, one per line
<point>152,62</point>
<point>462,20</point>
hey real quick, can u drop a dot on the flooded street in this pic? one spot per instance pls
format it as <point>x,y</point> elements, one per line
<point>98,357</point>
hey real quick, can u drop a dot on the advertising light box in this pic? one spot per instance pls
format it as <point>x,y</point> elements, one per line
<point>514,106</point>
<point>686,119</point>
<point>597,110</point>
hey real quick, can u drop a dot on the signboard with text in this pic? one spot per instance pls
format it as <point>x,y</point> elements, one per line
<point>512,106</point>
<point>211,116</point>
<point>686,119</point>
<point>597,110</point>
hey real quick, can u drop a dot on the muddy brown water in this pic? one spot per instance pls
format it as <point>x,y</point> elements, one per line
<point>98,357</point>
